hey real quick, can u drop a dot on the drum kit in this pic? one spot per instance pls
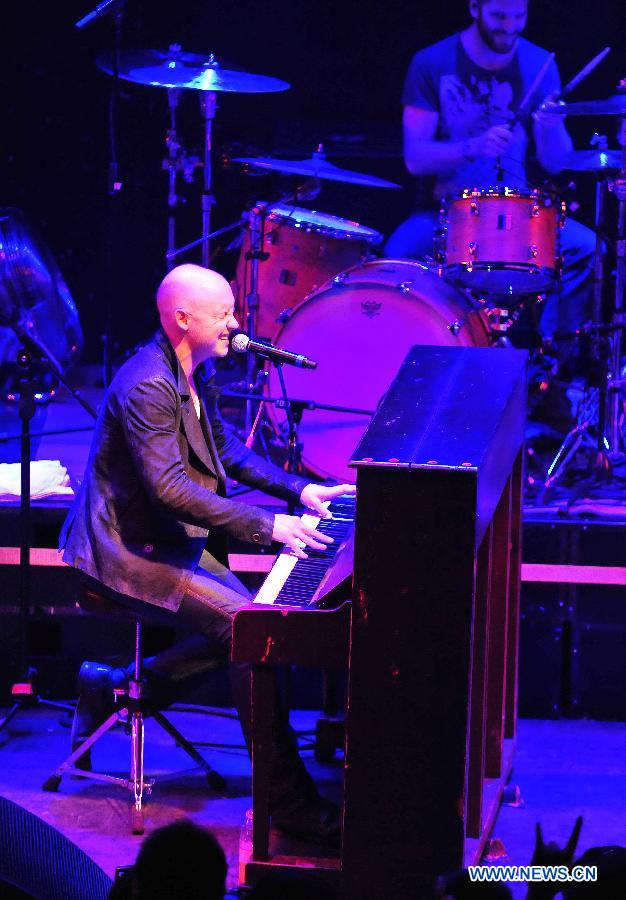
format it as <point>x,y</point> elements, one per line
<point>312,281</point>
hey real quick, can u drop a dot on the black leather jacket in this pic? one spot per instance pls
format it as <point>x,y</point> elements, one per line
<point>153,491</point>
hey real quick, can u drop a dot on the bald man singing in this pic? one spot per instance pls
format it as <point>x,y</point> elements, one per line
<point>151,520</point>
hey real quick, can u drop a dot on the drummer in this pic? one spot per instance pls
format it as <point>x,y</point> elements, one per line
<point>460,96</point>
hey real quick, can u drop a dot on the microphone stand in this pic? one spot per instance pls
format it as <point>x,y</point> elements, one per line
<point>23,691</point>
<point>293,412</point>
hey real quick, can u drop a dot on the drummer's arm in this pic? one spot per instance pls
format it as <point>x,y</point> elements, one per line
<point>425,155</point>
<point>552,140</point>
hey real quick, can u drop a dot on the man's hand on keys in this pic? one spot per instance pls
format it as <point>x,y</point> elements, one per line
<point>296,532</point>
<point>316,495</point>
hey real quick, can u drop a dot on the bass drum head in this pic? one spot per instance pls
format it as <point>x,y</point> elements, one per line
<point>358,327</point>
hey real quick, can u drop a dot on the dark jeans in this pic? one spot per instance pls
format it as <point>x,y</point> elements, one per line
<point>213,597</point>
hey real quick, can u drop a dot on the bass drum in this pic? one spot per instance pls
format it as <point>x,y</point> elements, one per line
<point>358,327</point>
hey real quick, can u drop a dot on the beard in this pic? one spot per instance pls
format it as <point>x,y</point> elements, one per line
<point>497,41</point>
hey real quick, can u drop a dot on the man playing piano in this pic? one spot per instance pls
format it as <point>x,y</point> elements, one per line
<point>151,520</point>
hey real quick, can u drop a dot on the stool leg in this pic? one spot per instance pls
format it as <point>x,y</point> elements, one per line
<point>136,770</point>
<point>214,779</point>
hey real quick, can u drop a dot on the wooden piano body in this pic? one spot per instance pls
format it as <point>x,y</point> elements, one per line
<point>433,631</point>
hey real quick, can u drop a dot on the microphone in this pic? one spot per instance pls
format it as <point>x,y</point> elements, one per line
<point>241,343</point>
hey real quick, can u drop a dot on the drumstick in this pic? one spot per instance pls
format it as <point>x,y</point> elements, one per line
<point>531,90</point>
<point>586,70</point>
<point>522,107</point>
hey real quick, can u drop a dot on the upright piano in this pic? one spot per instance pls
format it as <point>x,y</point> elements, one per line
<point>430,637</point>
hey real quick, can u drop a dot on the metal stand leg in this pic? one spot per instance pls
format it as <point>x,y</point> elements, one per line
<point>209,107</point>
<point>136,708</point>
<point>136,770</point>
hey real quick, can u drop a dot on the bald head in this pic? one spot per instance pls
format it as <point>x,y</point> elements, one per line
<point>189,287</point>
<point>196,311</point>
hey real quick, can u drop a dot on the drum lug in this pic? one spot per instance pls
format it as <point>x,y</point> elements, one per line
<point>474,211</point>
<point>455,327</point>
<point>405,287</point>
<point>499,319</point>
<point>284,315</point>
<point>340,278</point>
<point>533,251</point>
<point>534,210</point>
<point>473,249</point>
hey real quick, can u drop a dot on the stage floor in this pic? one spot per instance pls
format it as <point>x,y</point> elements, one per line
<point>563,769</point>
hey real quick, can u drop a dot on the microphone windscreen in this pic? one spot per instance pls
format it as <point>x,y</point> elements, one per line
<point>239,342</point>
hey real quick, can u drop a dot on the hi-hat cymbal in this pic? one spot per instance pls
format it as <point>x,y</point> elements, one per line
<point>315,167</point>
<point>593,160</point>
<point>175,69</point>
<point>610,106</point>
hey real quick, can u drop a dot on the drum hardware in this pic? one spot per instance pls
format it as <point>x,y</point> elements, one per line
<point>607,338</point>
<point>593,412</point>
<point>609,106</point>
<point>315,167</point>
<point>297,409</point>
<point>176,70</point>
<point>599,160</point>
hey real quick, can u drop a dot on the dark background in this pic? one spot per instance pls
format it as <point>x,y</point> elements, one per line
<point>345,61</point>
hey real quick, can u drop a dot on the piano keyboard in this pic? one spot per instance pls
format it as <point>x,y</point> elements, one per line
<point>299,582</point>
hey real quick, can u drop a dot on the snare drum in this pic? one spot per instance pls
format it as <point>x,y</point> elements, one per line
<point>305,248</point>
<point>501,241</point>
<point>359,327</point>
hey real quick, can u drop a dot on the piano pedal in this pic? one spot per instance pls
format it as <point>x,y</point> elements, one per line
<point>329,737</point>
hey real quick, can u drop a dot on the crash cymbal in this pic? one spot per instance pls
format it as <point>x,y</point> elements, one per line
<point>175,69</point>
<point>611,106</point>
<point>315,167</point>
<point>593,160</point>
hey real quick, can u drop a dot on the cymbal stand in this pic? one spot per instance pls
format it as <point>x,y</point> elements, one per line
<point>618,187</point>
<point>592,412</point>
<point>171,164</point>
<point>176,162</point>
<point>255,255</point>
<point>600,142</point>
<point>208,102</point>
<point>606,414</point>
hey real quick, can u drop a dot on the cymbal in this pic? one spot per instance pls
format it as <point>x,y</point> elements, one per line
<point>175,69</point>
<point>315,167</point>
<point>593,160</point>
<point>610,106</point>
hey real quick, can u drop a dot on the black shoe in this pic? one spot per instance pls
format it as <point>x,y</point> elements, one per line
<point>315,821</point>
<point>96,701</point>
